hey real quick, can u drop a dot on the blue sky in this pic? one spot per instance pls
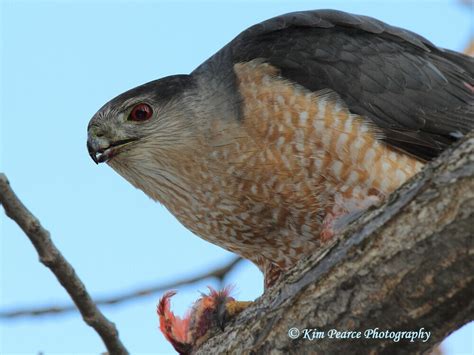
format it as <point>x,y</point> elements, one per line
<point>60,62</point>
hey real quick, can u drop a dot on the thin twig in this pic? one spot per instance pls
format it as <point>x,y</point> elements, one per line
<point>51,257</point>
<point>218,273</point>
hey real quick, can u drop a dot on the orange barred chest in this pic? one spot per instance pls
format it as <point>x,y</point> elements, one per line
<point>267,183</point>
<point>313,134</point>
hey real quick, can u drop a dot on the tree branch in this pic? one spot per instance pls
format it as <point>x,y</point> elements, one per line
<point>64,272</point>
<point>219,273</point>
<point>403,266</point>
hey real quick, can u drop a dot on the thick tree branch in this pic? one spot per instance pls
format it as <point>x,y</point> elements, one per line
<point>64,272</point>
<point>218,273</point>
<point>403,266</point>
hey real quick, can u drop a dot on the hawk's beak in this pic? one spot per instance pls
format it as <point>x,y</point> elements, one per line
<point>92,152</point>
<point>101,150</point>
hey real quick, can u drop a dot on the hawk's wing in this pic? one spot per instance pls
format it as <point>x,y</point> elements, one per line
<point>420,96</point>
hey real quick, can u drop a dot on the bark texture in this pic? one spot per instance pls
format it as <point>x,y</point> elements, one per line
<point>405,265</point>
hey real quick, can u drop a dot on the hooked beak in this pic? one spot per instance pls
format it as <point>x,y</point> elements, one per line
<point>102,151</point>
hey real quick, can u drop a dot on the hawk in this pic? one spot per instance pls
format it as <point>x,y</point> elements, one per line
<point>295,126</point>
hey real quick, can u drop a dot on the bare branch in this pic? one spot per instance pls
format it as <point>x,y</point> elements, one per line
<point>403,266</point>
<point>51,257</point>
<point>219,273</point>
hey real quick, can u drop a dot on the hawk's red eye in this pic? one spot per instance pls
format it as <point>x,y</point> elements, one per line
<point>140,112</point>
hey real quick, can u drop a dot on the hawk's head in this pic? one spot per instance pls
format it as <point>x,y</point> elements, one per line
<point>146,133</point>
<point>153,111</point>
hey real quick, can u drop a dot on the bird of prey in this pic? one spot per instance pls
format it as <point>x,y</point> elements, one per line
<point>296,124</point>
